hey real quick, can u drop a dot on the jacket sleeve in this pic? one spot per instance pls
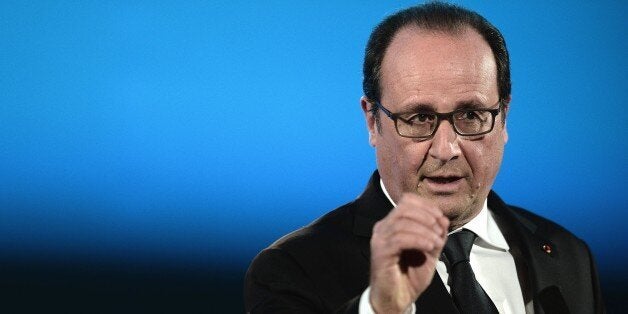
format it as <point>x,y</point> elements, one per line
<point>276,283</point>
<point>595,282</point>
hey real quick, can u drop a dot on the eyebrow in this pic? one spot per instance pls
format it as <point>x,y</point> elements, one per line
<point>417,107</point>
<point>471,105</point>
<point>426,107</point>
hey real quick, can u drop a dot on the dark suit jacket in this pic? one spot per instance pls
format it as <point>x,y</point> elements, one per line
<point>324,267</point>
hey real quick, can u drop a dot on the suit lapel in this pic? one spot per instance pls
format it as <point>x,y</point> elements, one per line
<point>436,299</point>
<point>535,256</point>
<point>373,206</point>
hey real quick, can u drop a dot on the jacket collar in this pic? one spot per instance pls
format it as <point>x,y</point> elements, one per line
<point>372,206</point>
<point>536,256</point>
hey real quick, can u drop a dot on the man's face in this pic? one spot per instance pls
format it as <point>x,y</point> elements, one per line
<point>439,72</point>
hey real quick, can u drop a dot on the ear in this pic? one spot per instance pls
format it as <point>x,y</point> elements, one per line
<point>370,120</point>
<point>505,109</point>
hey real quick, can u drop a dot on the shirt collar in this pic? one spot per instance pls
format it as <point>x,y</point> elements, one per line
<point>483,225</point>
<point>486,228</point>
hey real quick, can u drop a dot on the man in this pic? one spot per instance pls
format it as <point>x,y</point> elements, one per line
<point>428,235</point>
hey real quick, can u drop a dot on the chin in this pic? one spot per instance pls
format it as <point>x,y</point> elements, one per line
<point>455,206</point>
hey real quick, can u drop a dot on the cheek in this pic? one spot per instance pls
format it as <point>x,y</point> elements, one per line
<point>414,155</point>
<point>404,157</point>
<point>406,154</point>
<point>484,158</point>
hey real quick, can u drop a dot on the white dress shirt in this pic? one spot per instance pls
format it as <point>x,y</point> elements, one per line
<point>491,261</point>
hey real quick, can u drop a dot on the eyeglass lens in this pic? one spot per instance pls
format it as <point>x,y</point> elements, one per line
<point>466,122</point>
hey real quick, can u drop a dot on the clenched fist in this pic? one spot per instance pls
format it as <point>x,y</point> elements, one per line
<point>405,247</point>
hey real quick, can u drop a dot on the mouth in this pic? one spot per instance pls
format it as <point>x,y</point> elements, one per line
<point>443,184</point>
<point>443,180</point>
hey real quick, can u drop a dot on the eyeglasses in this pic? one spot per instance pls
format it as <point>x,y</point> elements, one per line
<point>423,124</point>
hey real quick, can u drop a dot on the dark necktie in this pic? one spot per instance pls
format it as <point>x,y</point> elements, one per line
<point>467,293</point>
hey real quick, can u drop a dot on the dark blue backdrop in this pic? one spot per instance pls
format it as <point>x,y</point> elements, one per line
<point>149,137</point>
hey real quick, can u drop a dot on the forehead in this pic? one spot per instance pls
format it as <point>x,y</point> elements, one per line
<point>447,66</point>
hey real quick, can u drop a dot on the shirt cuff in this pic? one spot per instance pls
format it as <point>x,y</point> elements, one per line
<point>366,308</point>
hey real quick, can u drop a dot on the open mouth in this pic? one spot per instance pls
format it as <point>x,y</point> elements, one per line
<point>443,180</point>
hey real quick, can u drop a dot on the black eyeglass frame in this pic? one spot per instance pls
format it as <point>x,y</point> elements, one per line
<point>440,117</point>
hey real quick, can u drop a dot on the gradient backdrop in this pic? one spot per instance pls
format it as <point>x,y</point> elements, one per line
<point>149,149</point>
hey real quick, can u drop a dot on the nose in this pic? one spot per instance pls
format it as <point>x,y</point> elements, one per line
<point>444,146</point>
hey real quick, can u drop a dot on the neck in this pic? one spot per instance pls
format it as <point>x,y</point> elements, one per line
<point>464,216</point>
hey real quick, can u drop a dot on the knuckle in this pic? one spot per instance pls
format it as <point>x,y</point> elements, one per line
<point>377,242</point>
<point>397,241</point>
<point>398,227</point>
<point>376,227</point>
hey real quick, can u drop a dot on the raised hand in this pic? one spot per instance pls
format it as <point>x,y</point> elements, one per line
<point>405,247</point>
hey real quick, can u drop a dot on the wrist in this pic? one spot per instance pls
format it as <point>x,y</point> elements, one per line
<point>381,304</point>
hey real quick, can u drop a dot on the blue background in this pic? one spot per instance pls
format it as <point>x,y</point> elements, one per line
<point>147,137</point>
